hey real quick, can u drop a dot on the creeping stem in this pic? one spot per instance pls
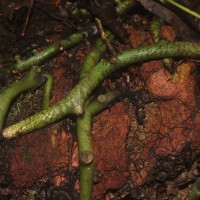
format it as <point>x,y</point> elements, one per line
<point>155,30</point>
<point>94,56</point>
<point>84,123</point>
<point>62,45</point>
<point>74,102</point>
<point>47,90</point>
<point>40,57</point>
<point>84,126</point>
<point>157,36</point>
<point>32,80</point>
<point>195,190</point>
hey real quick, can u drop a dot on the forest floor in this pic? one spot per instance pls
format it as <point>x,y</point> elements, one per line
<point>149,153</point>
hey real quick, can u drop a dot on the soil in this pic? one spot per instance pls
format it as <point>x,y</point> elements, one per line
<point>147,150</point>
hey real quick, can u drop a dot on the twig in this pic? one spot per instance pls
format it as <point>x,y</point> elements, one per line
<point>185,9</point>
<point>103,36</point>
<point>28,16</point>
<point>180,27</point>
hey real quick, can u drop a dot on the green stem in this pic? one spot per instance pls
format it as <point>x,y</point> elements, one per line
<point>187,10</point>
<point>33,79</point>
<point>84,126</point>
<point>80,13</point>
<point>121,8</point>
<point>157,36</point>
<point>94,56</point>
<point>40,57</point>
<point>84,138</point>
<point>47,90</point>
<point>60,46</point>
<point>155,30</point>
<point>125,6</point>
<point>74,102</point>
<point>85,155</point>
<point>195,191</point>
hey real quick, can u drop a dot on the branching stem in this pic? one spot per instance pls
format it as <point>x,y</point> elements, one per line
<point>74,102</point>
<point>84,138</point>
<point>33,79</point>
